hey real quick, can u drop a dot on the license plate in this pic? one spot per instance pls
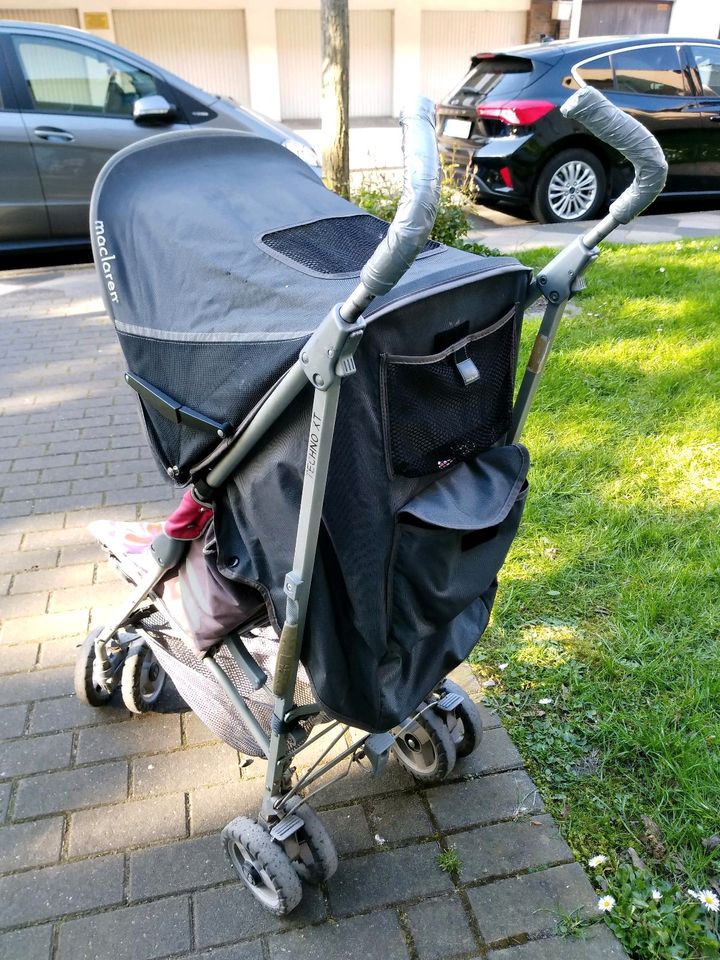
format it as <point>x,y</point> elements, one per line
<point>458,128</point>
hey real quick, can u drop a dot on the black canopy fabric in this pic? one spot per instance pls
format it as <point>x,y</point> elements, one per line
<point>220,253</point>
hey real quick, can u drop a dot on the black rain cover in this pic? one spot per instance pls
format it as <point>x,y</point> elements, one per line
<point>219,253</point>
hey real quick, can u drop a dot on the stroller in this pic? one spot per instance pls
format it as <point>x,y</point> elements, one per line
<point>336,553</point>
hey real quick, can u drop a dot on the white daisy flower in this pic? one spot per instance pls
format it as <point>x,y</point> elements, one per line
<point>694,894</point>
<point>503,666</point>
<point>709,900</point>
<point>606,903</point>
<point>597,861</point>
<point>545,702</point>
<point>656,895</point>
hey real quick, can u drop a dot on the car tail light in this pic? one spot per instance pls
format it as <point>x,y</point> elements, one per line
<point>518,113</point>
<point>506,177</point>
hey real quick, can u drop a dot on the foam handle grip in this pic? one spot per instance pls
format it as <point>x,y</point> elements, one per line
<point>615,128</point>
<point>416,211</point>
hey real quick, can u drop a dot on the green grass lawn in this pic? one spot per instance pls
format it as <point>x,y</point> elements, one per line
<point>609,603</point>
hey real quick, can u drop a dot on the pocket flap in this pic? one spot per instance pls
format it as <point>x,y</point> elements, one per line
<point>475,494</point>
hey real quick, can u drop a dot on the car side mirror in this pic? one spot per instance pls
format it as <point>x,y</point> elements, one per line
<point>153,109</point>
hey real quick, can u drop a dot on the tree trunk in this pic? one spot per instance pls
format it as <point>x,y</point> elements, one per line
<point>335,95</point>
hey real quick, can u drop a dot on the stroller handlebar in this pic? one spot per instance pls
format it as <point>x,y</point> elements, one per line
<point>416,211</point>
<point>614,127</point>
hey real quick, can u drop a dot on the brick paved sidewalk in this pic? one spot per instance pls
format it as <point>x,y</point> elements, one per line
<point>110,845</point>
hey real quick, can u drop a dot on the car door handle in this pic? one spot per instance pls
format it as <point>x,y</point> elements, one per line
<point>53,134</point>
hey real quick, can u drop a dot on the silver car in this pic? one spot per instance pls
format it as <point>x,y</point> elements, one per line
<point>69,100</point>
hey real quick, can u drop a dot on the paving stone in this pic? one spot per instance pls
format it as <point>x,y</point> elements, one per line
<point>349,829</point>
<point>359,783</point>
<point>184,769</point>
<point>231,913</point>
<point>440,928</point>
<point>376,938</point>
<point>506,848</point>
<point>23,605</point>
<point>27,560</point>
<point>133,933</point>
<point>18,658</point>
<point>34,844</point>
<point>392,876</point>
<point>496,752</point>
<point>54,579</point>
<point>33,943</point>
<point>66,713</point>
<point>399,818</point>
<point>532,904</point>
<point>145,734</point>
<point>57,653</point>
<point>71,789</point>
<point>185,865</point>
<point>12,721</point>
<point>212,807</point>
<point>195,729</point>
<point>76,598</point>
<point>501,796</point>
<point>57,891</point>
<point>4,799</point>
<point>127,825</point>
<point>595,943</point>
<point>44,626</point>
<point>34,754</point>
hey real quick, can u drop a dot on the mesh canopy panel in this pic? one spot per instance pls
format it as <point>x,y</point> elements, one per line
<point>338,245</point>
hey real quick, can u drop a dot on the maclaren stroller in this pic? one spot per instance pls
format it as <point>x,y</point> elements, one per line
<point>337,551</point>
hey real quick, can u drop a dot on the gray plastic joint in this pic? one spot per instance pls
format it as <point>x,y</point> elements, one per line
<point>168,552</point>
<point>562,276</point>
<point>328,354</point>
<point>293,583</point>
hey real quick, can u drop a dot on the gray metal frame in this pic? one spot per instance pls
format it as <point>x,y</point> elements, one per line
<point>325,361</point>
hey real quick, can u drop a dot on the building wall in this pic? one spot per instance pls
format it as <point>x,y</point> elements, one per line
<point>690,18</point>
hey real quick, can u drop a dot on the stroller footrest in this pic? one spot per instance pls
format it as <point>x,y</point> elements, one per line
<point>377,750</point>
<point>286,828</point>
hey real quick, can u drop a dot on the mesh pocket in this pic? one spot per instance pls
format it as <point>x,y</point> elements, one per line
<point>335,246</point>
<point>448,407</point>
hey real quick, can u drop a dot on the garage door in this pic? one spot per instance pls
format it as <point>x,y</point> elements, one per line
<point>620,17</point>
<point>449,39</point>
<point>206,47</point>
<point>66,18</point>
<point>371,63</point>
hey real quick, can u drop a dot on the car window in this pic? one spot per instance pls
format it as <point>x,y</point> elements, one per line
<point>708,64</point>
<point>66,77</point>
<point>655,70</point>
<point>597,73</point>
<point>499,75</point>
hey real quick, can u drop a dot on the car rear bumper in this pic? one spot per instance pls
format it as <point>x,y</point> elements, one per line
<point>478,168</point>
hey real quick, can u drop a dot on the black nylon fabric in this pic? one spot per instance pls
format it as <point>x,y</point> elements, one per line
<point>209,316</point>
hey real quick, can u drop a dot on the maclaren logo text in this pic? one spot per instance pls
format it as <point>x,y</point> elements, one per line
<point>106,260</point>
<point>313,445</point>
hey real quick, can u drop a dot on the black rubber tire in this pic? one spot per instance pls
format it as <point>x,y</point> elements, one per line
<point>132,684</point>
<point>279,889</point>
<point>85,689</point>
<point>541,207</point>
<point>435,756</point>
<point>318,861</point>
<point>468,730</point>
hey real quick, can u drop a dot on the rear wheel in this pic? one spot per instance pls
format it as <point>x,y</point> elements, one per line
<point>571,187</point>
<point>86,690</point>
<point>311,850</point>
<point>425,746</point>
<point>464,722</point>
<point>262,865</point>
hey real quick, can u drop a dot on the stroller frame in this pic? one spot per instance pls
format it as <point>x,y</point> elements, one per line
<point>325,361</point>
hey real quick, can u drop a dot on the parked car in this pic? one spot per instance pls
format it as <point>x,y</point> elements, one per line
<point>69,100</point>
<point>502,128</point>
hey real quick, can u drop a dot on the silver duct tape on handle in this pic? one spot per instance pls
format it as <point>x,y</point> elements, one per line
<point>415,215</point>
<point>615,128</point>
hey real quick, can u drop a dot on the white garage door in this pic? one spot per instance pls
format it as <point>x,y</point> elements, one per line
<point>66,18</point>
<point>449,39</point>
<point>371,63</point>
<point>206,47</point>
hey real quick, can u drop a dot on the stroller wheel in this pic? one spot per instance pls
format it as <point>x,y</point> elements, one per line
<point>86,689</point>
<point>142,678</point>
<point>262,865</point>
<point>464,722</point>
<point>311,850</point>
<point>425,746</point>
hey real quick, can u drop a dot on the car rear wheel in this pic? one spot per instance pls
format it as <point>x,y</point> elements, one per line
<point>571,187</point>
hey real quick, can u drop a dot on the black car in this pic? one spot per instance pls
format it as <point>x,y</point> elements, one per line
<point>503,132</point>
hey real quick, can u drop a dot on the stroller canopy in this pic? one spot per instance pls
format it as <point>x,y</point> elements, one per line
<point>220,253</point>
